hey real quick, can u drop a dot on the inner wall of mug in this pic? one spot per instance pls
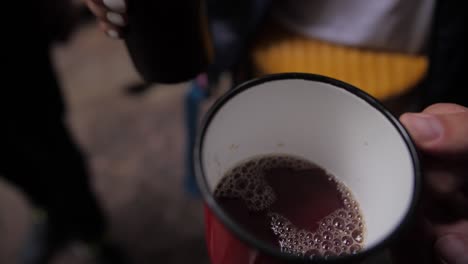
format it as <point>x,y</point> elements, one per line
<point>326,125</point>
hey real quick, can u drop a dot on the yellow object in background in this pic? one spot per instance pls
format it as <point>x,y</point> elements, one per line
<point>381,74</point>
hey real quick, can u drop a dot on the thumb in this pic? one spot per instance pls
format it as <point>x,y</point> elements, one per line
<point>453,249</point>
<point>439,131</point>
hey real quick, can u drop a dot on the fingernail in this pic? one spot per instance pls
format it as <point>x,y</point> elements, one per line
<point>115,5</point>
<point>423,127</point>
<point>115,18</point>
<point>452,249</point>
<point>113,33</point>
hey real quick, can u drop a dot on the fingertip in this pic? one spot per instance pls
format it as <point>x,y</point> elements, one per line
<point>116,5</point>
<point>112,33</point>
<point>98,10</point>
<point>110,30</point>
<point>116,19</point>
<point>425,129</point>
<point>405,118</point>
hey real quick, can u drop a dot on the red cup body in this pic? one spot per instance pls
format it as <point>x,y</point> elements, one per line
<point>225,248</point>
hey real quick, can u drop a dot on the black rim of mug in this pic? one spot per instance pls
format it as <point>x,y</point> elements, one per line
<point>250,239</point>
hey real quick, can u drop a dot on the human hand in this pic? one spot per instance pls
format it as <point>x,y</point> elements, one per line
<point>111,15</point>
<point>441,132</point>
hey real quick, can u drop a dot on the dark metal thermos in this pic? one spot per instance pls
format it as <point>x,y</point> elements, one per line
<point>168,41</point>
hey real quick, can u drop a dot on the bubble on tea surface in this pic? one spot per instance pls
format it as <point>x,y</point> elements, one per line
<point>334,235</point>
<point>331,236</point>
<point>241,184</point>
<point>318,238</point>
<point>327,245</point>
<point>328,254</point>
<point>337,251</point>
<point>342,213</point>
<point>350,227</point>
<point>312,253</point>
<point>249,185</point>
<point>354,249</point>
<point>338,223</point>
<point>337,242</point>
<point>357,236</point>
<point>327,235</point>
<point>347,241</point>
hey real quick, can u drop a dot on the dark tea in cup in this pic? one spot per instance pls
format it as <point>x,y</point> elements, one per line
<point>294,205</point>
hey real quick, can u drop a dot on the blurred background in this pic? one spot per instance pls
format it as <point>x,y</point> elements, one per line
<point>134,145</point>
<point>137,138</point>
